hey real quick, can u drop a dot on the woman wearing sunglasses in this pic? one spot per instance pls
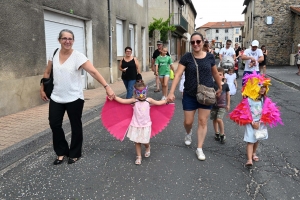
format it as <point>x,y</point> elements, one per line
<point>207,71</point>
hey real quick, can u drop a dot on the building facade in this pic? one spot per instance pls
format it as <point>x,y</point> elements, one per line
<point>274,24</point>
<point>29,34</point>
<point>183,19</point>
<point>222,31</point>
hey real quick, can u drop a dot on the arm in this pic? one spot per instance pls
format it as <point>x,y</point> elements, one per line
<point>124,101</point>
<point>235,83</point>
<point>260,59</point>
<point>137,64</point>
<point>244,57</point>
<point>228,101</point>
<point>120,67</point>
<point>217,78</point>
<point>156,70</point>
<point>171,66</point>
<point>88,66</point>
<point>178,73</point>
<point>155,102</point>
<point>266,53</point>
<point>46,75</point>
<point>220,56</point>
<point>152,64</point>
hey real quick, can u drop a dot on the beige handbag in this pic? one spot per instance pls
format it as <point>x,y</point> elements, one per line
<point>205,95</point>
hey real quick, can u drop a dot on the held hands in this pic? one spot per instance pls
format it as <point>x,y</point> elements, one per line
<point>218,92</point>
<point>110,93</point>
<point>170,98</point>
<point>255,125</point>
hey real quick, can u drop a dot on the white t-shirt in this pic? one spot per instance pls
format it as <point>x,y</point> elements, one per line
<point>67,77</point>
<point>227,52</point>
<point>255,54</point>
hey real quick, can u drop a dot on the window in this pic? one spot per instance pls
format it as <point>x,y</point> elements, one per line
<point>226,30</point>
<point>226,37</point>
<point>119,30</point>
<point>237,30</point>
<point>236,39</point>
<point>217,30</point>
<point>131,38</point>
<point>217,38</point>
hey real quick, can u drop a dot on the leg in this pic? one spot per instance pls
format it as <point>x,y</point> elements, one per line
<point>254,156</point>
<point>157,83</point>
<point>130,89</point>
<point>162,85</point>
<point>126,85</point>
<point>138,150</point>
<point>188,123</point>
<point>74,110</point>
<point>249,154</point>
<point>264,69</point>
<point>202,125</point>
<point>56,114</point>
<point>147,151</point>
<point>215,124</point>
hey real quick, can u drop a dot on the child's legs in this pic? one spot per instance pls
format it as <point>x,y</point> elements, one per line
<point>138,149</point>
<point>157,82</point>
<point>216,127</point>
<point>165,85</point>
<point>251,149</point>
<point>221,125</point>
<point>147,145</point>
<point>213,116</point>
<point>220,115</point>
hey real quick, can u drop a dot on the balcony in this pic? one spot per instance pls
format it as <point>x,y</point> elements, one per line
<point>180,23</point>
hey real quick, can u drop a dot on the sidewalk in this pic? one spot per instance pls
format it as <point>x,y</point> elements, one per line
<point>24,132</point>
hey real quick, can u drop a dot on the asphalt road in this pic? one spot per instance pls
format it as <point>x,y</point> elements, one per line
<point>107,171</point>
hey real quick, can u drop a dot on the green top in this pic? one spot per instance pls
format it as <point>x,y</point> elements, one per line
<point>163,63</point>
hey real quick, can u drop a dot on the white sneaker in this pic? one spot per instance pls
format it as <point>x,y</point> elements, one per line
<point>188,139</point>
<point>163,98</point>
<point>200,154</point>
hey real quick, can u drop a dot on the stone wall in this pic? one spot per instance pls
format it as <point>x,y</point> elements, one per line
<point>278,37</point>
<point>296,35</point>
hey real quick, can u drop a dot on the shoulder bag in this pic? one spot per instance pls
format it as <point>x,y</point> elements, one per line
<point>48,82</point>
<point>205,95</point>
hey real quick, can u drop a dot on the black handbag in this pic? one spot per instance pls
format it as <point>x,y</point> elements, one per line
<point>48,82</point>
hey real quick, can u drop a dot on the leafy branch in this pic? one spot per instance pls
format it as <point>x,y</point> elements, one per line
<point>162,26</point>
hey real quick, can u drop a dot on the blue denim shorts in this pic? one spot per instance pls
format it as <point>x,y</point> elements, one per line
<point>190,103</point>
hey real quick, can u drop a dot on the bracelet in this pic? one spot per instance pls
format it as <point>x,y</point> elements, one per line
<point>105,85</point>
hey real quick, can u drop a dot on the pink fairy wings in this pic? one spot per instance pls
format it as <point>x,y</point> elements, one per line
<point>116,118</point>
<point>270,113</point>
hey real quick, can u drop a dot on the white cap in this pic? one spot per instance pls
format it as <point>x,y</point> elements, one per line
<point>298,45</point>
<point>255,43</point>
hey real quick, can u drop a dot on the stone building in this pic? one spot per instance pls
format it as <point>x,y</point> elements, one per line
<point>183,19</point>
<point>29,34</point>
<point>274,24</point>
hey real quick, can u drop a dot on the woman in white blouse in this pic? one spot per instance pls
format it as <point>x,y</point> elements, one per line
<point>67,95</point>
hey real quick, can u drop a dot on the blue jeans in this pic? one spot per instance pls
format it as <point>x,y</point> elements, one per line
<point>129,87</point>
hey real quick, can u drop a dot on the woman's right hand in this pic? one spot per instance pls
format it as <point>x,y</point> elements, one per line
<point>43,95</point>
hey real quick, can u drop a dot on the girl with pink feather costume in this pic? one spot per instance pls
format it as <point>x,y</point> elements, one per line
<point>140,129</point>
<point>255,111</point>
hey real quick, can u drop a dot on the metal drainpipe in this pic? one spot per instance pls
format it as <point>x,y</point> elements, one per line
<point>110,42</point>
<point>252,21</point>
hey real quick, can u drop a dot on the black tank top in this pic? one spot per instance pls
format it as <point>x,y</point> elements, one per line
<point>131,72</point>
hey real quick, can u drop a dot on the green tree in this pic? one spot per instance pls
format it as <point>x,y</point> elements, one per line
<point>162,26</point>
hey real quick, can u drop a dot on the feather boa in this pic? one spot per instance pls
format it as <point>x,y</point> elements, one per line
<point>270,113</point>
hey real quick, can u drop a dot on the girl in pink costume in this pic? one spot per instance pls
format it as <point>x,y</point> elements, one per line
<point>139,130</point>
<point>255,111</point>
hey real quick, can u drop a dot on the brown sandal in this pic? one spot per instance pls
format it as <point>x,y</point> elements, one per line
<point>249,163</point>
<point>157,90</point>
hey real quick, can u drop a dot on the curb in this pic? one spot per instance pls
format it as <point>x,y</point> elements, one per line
<point>288,83</point>
<point>21,149</point>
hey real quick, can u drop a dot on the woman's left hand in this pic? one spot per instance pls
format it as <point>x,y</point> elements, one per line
<point>110,93</point>
<point>218,92</point>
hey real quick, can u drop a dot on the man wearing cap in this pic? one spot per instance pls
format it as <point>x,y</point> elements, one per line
<point>253,57</point>
<point>156,53</point>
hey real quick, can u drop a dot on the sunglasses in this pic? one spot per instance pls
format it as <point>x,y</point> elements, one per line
<point>197,41</point>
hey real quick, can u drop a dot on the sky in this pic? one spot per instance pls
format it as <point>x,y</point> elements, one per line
<point>218,10</point>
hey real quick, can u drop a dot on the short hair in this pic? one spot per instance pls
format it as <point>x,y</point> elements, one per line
<point>221,69</point>
<point>228,41</point>
<point>128,48</point>
<point>65,30</point>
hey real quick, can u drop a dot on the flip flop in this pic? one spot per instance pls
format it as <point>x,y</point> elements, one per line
<point>249,163</point>
<point>255,158</point>
<point>156,90</point>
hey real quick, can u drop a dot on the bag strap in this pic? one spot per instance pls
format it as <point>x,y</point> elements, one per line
<point>51,74</point>
<point>196,68</point>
